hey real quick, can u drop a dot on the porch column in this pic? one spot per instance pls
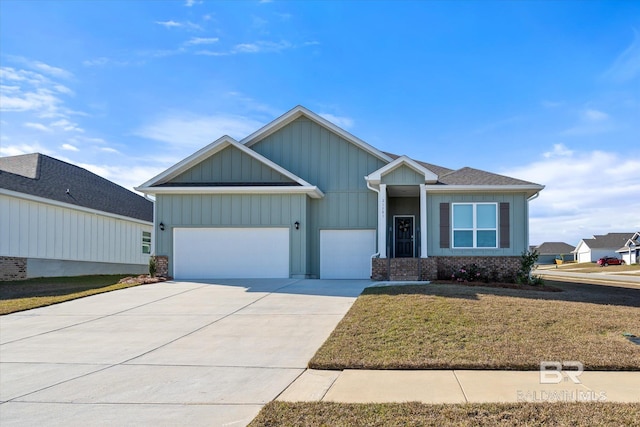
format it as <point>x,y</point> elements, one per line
<point>382,221</point>
<point>423,221</point>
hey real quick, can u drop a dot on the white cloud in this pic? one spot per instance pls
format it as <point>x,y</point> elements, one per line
<point>594,115</point>
<point>590,121</point>
<point>261,46</point>
<point>343,122</point>
<point>190,3</point>
<point>201,40</point>
<point>109,150</point>
<point>626,67</point>
<point>169,24</point>
<point>18,149</point>
<point>52,71</point>
<point>38,126</point>
<point>587,192</point>
<point>182,130</point>
<point>559,150</point>
<point>69,147</point>
<point>67,126</point>
<point>126,176</point>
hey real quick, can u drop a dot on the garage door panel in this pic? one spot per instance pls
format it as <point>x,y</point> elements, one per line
<point>346,254</point>
<point>225,253</point>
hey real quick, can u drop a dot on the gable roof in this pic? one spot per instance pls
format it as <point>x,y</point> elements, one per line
<point>606,241</point>
<point>376,176</point>
<point>158,184</point>
<point>438,170</point>
<point>632,242</point>
<point>554,248</point>
<point>43,176</point>
<point>301,111</point>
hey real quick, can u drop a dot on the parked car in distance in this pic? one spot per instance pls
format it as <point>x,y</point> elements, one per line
<point>609,260</point>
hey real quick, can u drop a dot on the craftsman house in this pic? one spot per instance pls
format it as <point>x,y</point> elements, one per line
<point>302,198</point>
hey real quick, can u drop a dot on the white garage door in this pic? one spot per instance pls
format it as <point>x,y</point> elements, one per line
<point>225,253</point>
<point>346,254</point>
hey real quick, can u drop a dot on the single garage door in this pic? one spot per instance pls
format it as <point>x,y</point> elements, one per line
<point>346,254</point>
<point>225,253</point>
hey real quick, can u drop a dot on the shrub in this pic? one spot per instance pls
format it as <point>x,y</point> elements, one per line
<point>527,261</point>
<point>152,266</point>
<point>473,273</point>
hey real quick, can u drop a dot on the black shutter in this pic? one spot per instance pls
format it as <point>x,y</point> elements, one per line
<point>505,241</point>
<point>445,230</point>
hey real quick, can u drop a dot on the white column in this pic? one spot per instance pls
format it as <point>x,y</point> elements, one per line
<point>423,221</point>
<point>382,221</point>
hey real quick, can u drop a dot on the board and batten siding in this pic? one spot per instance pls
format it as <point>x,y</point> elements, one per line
<point>337,167</point>
<point>233,210</point>
<point>231,165</point>
<point>518,230</point>
<point>403,175</point>
<point>32,229</point>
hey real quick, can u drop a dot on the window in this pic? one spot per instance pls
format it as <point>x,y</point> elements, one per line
<point>475,225</point>
<point>146,242</point>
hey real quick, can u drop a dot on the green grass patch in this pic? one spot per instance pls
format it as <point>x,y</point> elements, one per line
<point>32,293</point>
<point>446,326</point>
<point>471,414</point>
<point>590,267</point>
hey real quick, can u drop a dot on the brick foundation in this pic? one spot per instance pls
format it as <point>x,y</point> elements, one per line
<point>13,268</point>
<point>162,266</point>
<point>502,269</point>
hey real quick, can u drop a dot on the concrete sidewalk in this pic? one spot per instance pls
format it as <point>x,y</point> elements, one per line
<point>458,386</point>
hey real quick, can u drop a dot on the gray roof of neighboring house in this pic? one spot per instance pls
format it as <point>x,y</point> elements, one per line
<point>467,175</point>
<point>608,241</point>
<point>554,248</point>
<point>43,176</point>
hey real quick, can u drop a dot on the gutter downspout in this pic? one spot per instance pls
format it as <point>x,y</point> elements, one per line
<point>535,196</point>
<point>377,254</point>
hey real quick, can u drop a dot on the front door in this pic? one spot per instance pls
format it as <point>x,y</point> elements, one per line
<point>403,231</point>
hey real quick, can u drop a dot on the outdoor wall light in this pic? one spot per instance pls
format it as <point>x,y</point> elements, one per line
<point>297,225</point>
<point>162,226</point>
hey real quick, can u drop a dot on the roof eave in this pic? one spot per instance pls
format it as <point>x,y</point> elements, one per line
<point>310,190</point>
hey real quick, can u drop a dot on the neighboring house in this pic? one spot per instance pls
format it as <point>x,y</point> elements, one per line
<point>549,251</point>
<point>590,250</point>
<point>302,198</point>
<point>630,252</point>
<point>57,219</point>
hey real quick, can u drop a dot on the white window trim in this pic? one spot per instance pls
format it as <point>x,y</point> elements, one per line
<point>475,228</point>
<point>144,244</point>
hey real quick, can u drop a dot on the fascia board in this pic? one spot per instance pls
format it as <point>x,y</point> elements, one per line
<point>56,203</point>
<point>311,190</point>
<point>299,111</point>
<point>402,160</point>
<point>188,162</point>
<point>475,188</point>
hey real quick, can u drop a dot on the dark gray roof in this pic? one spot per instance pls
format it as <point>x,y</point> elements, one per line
<point>467,176</point>
<point>470,176</point>
<point>43,176</point>
<point>554,248</point>
<point>608,241</point>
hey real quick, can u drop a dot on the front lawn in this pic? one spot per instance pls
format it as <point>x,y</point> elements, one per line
<point>448,326</point>
<point>471,414</point>
<point>32,293</point>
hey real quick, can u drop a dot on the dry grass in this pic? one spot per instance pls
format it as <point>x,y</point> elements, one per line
<point>417,414</point>
<point>461,327</point>
<point>32,293</point>
<point>590,267</point>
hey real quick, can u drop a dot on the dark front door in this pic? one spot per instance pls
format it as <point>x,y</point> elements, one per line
<point>403,236</point>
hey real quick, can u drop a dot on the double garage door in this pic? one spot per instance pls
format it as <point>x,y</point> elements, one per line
<point>224,253</point>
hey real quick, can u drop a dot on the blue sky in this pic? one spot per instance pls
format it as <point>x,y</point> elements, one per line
<point>547,91</point>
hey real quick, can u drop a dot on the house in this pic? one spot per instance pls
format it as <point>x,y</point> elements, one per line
<point>549,251</point>
<point>630,252</point>
<point>57,219</point>
<point>303,198</point>
<point>590,250</point>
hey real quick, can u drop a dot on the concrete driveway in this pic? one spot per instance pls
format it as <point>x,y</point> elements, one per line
<point>175,353</point>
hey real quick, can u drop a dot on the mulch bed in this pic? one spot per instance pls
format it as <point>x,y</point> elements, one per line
<point>143,279</point>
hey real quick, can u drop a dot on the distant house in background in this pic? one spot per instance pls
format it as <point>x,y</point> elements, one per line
<point>630,252</point>
<point>57,219</point>
<point>590,250</point>
<point>549,251</point>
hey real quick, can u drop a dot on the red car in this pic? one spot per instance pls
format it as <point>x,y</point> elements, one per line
<point>609,260</point>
